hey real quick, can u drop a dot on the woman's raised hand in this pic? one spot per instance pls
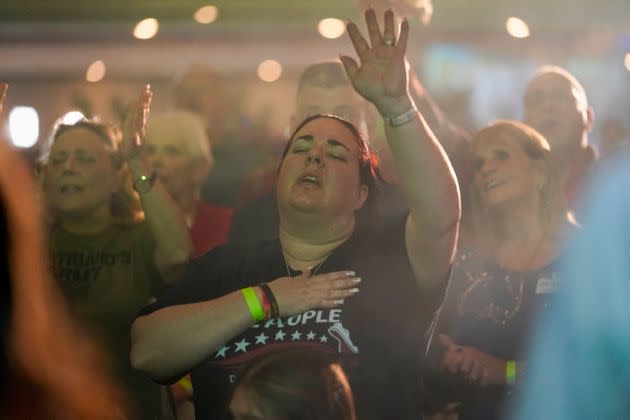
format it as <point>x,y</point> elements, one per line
<point>134,126</point>
<point>382,76</point>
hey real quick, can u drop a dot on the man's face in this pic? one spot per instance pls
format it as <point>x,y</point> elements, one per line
<point>555,108</point>
<point>342,101</point>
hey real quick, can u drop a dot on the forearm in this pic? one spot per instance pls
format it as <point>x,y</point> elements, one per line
<point>172,340</point>
<point>166,221</point>
<point>426,175</point>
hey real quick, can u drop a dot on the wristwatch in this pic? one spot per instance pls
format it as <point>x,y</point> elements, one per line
<point>144,183</point>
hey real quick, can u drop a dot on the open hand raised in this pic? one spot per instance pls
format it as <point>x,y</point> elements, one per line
<point>382,76</point>
<point>134,126</point>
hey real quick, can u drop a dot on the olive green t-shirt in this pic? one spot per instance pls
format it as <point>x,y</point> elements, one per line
<point>107,278</point>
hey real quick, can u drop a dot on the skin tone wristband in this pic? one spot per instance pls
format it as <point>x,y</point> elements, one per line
<point>510,372</point>
<point>253,304</point>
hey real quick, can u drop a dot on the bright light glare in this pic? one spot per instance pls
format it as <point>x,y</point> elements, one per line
<point>331,28</point>
<point>72,117</point>
<point>206,14</point>
<point>626,61</point>
<point>269,70</point>
<point>23,126</point>
<point>517,27</point>
<point>146,28</point>
<point>95,72</point>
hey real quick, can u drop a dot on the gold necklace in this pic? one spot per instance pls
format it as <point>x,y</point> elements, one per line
<point>313,272</point>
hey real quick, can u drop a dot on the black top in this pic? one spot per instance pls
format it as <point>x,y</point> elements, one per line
<point>493,309</point>
<point>378,334</point>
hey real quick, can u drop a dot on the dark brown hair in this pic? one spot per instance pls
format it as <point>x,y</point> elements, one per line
<point>298,385</point>
<point>368,169</point>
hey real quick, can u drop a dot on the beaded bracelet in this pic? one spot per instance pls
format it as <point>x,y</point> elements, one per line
<point>275,313</point>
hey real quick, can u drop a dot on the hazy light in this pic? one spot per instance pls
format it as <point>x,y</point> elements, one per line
<point>23,126</point>
<point>146,28</point>
<point>72,117</point>
<point>206,14</point>
<point>517,27</point>
<point>269,70</point>
<point>626,61</point>
<point>331,28</point>
<point>95,72</point>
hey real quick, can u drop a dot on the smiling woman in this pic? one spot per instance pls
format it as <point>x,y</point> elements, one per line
<point>505,274</point>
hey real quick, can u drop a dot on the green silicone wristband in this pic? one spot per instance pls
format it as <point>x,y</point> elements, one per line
<point>510,372</point>
<point>253,304</point>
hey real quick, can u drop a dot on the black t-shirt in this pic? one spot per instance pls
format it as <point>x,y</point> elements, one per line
<point>378,333</point>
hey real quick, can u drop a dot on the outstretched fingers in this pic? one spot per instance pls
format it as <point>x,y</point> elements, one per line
<point>351,66</point>
<point>404,36</point>
<point>389,30</point>
<point>335,287</point>
<point>360,44</point>
<point>373,29</point>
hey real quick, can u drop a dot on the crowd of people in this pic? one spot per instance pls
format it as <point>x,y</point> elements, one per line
<point>388,265</point>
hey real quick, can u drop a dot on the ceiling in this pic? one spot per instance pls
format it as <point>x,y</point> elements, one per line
<point>542,15</point>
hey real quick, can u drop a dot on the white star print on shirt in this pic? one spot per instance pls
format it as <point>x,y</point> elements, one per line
<point>221,353</point>
<point>323,339</point>
<point>242,345</point>
<point>280,335</point>
<point>310,335</point>
<point>261,339</point>
<point>296,336</point>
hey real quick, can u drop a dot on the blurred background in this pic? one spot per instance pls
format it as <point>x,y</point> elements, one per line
<point>473,56</point>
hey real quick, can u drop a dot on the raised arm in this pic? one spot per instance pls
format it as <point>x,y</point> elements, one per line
<point>426,176</point>
<point>167,223</point>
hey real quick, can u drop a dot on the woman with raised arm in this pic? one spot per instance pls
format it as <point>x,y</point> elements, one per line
<point>107,260</point>
<point>330,282</point>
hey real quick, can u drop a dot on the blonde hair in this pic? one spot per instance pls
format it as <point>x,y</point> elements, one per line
<point>485,226</point>
<point>125,204</point>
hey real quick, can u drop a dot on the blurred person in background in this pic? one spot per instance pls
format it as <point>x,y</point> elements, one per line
<point>579,363</point>
<point>235,142</point>
<point>177,149</point>
<point>113,248</point>
<point>505,275</point>
<point>48,367</point>
<point>324,88</point>
<point>293,385</point>
<point>614,137</point>
<point>220,317</point>
<point>556,105</point>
